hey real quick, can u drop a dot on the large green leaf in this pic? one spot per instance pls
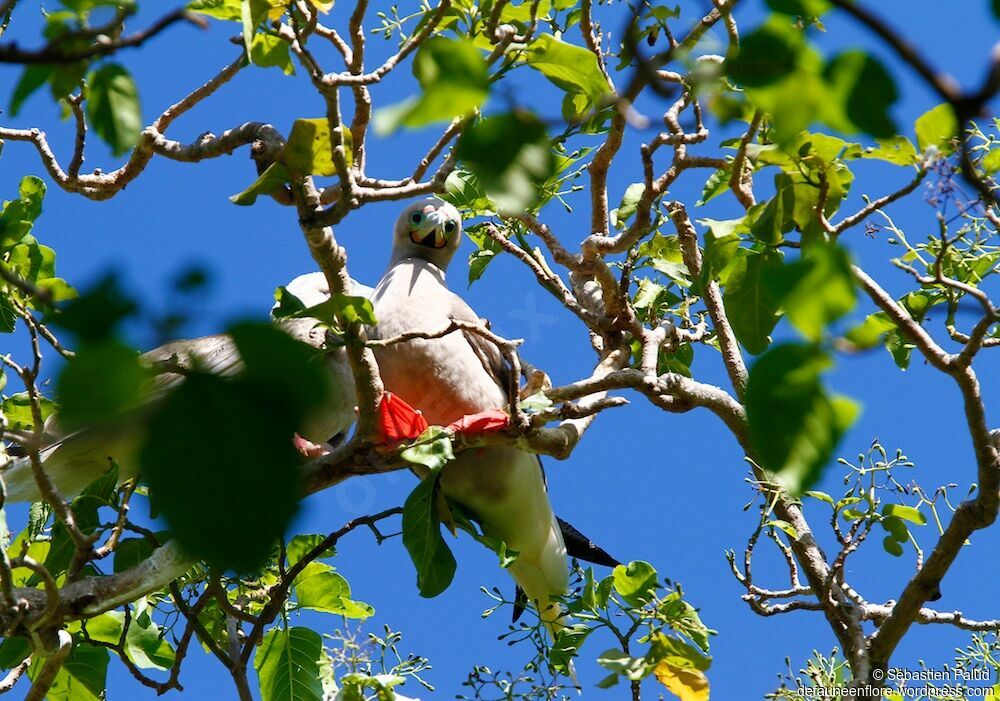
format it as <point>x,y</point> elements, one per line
<point>815,290</point>
<point>113,107</point>
<point>268,50</point>
<point>794,423</point>
<point>270,181</point>
<point>453,80</point>
<point>865,90</point>
<point>288,665</point>
<point>82,676</point>
<point>573,69</point>
<point>145,642</point>
<point>101,384</point>
<point>937,127</point>
<point>799,8</point>
<point>309,150</point>
<point>511,156</point>
<point>33,77</point>
<point>423,540</point>
<point>96,314</point>
<point>752,310</point>
<point>219,9</point>
<point>320,588</point>
<point>635,582</point>
<point>766,55</point>
<point>17,410</point>
<point>247,489</point>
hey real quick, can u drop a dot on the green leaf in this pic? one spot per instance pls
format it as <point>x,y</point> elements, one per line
<point>683,618</point>
<point>465,192</point>
<point>31,192</point>
<point>13,651</point>
<point>635,582</point>
<point>33,77</point>
<point>17,410</point>
<point>717,184</point>
<point>319,588</point>
<point>799,8</point>
<point>991,161</point>
<point>287,374</point>
<point>865,90</point>
<point>895,527</point>
<point>83,676</point>
<point>567,645</point>
<point>145,643</point>
<point>132,552</point>
<point>769,221</point>
<point>454,82</point>
<point>752,312</point>
<point>351,309</point>
<point>765,56</point>
<point>235,477</point>
<point>432,449</point>
<point>896,149</point>
<point>821,496</point>
<point>892,546</point>
<point>300,546</point>
<point>288,665</point>
<point>101,384</point>
<point>907,513</point>
<point>629,203</point>
<point>511,156</point>
<point>572,68</point>
<point>32,261</point>
<point>268,51</point>
<point>870,332</point>
<point>722,241</point>
<point>784,526</point>
<point>270,181</point>
<point>937,127</point>
<point>486,250</point>
<point>113,107</point>
<point>96,314</point>
<point>794,424</point>
<point>423,540</point>
<point>219,9</point>
<point>309,150</point>
<point>815,290</point>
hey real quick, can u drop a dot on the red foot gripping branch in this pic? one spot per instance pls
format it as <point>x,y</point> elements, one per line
<point>398,421</point>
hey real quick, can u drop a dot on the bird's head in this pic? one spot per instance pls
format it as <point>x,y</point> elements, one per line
<point>429,229</point>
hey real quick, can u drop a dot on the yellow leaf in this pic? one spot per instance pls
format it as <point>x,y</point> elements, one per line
<point>684,682</point>
<point>321,5</point>
<point>277,10</point>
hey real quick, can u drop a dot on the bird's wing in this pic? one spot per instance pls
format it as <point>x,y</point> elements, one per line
<point>493,360</point>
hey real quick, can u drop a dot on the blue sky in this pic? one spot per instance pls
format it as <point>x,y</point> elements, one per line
<point>644,484</point>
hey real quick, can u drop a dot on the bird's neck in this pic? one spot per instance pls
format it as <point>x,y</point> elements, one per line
<point>418,263</point>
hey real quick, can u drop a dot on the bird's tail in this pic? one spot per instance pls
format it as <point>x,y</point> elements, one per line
<point>71,463</point>
<point>543,577</point>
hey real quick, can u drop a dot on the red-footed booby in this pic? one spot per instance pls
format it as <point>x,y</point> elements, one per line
<point>459,374</point>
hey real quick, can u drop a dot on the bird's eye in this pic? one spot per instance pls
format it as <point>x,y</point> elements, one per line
<point>416,217</point>
<point>449,227</point>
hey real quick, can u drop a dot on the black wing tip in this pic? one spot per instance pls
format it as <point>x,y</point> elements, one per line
<point>583,548</point>
<point>520,603</point>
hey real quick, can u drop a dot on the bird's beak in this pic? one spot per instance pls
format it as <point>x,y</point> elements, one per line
<point>431,231</point>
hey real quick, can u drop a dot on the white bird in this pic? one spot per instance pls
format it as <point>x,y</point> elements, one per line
<point>459,374</point>
<point>74,460</point>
